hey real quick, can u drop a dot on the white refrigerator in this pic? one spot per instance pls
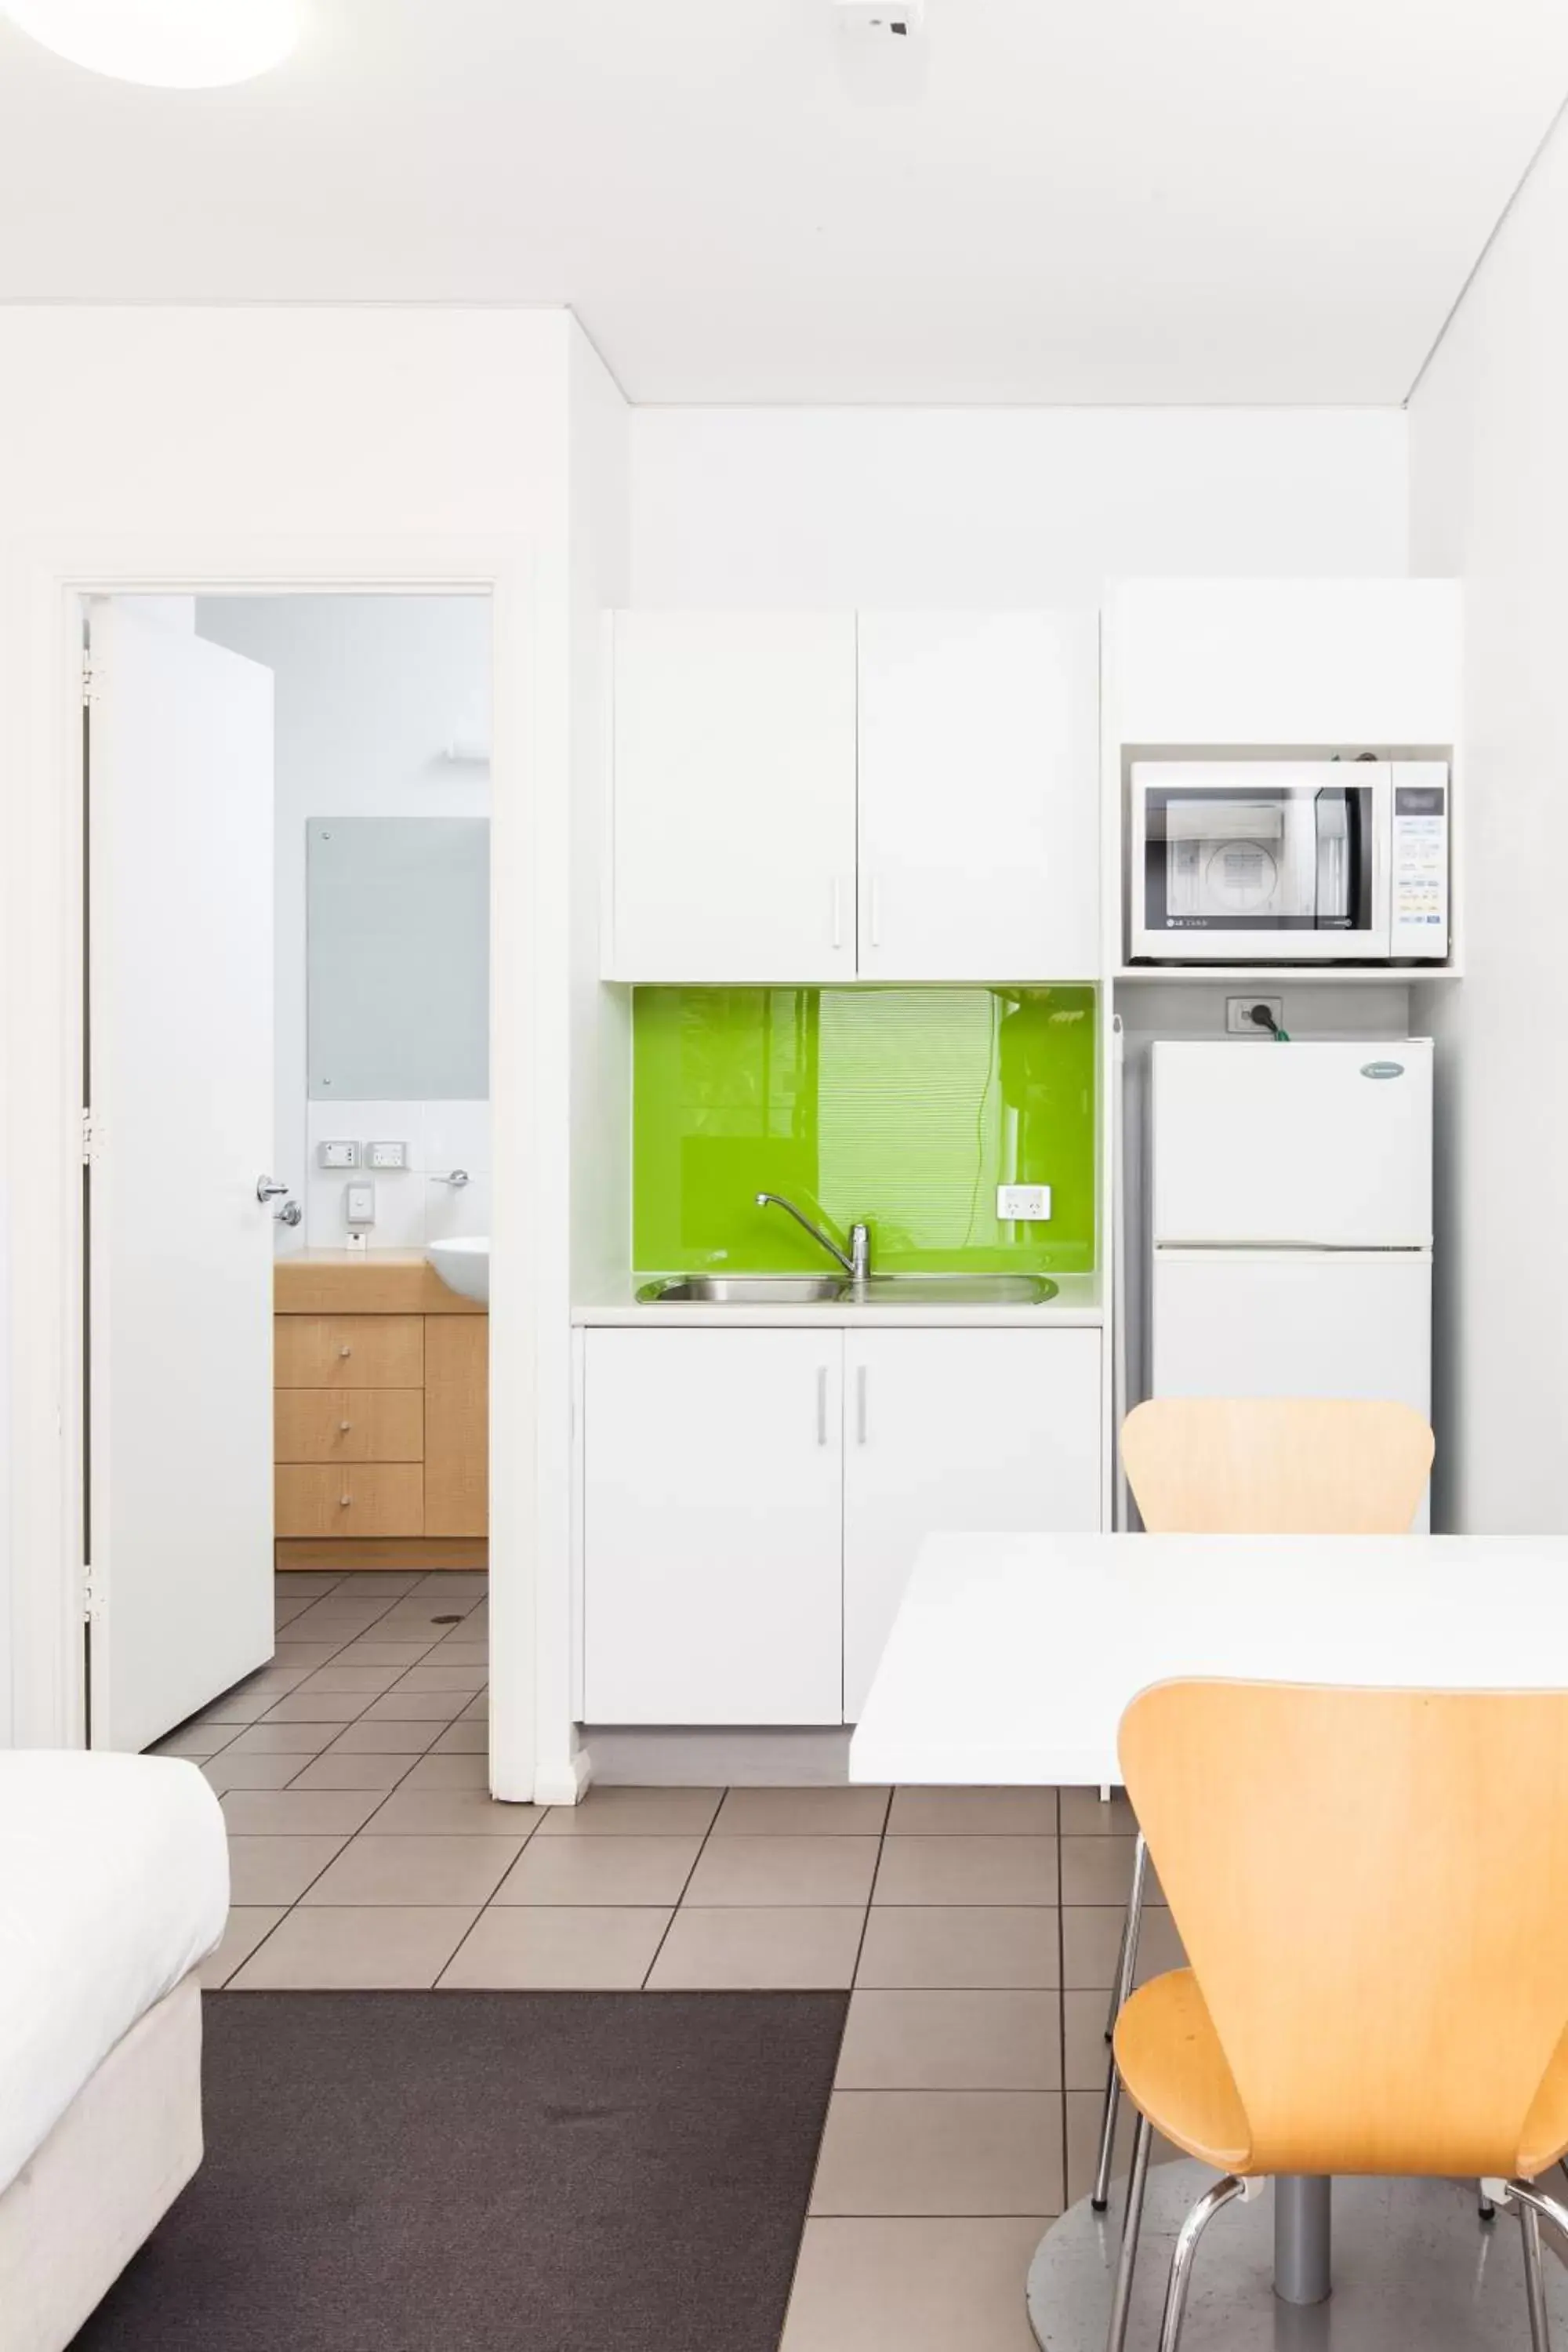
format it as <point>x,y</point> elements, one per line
<point>1290,1211</point>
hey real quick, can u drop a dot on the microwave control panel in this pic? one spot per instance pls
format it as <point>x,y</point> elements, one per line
<point>1418,877</point>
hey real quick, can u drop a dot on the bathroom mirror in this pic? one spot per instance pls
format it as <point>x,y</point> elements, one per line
<point>397,951</point>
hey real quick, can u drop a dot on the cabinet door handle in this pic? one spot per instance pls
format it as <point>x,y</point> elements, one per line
<point>860,1405</point>
<point>344,1427</point>
<point>345,1351</point>
<point>344,1502</point>
<point>822,1404</point>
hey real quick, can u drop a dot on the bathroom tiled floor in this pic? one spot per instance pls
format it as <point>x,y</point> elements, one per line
<point>976,1929</point>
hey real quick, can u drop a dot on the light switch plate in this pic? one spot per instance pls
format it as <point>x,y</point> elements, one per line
<point>387,1155</point>
<point>338,1155</point>
<point>1025,1204</point>
<point>359,1204</point>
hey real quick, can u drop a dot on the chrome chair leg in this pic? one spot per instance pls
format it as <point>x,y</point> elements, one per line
<point>1534,2284</point>
<point>1126,1966</point>
<point>1191,2230</point>
<point>1132,2224</point>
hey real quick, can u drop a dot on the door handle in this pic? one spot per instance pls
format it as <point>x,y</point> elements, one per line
<point>267,1188</point>
<point>822,1404</point>
<point>860,1405</point>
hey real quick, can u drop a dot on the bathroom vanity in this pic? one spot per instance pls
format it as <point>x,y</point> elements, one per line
<point>380,1407</point>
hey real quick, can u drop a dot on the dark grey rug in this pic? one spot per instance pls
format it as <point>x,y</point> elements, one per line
<point>460,2172</point>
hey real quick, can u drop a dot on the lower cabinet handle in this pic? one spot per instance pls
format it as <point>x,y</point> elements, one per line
<point>860,1405</point>
<point>822,1404</point>
<point>344,1502</point>
<point>344,1427</point>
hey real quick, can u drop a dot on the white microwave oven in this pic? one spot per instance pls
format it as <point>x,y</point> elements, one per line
<point>1288,861</point>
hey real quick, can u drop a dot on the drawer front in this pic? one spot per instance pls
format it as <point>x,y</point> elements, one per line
<point>350,1499</point>
<point>349,1424</point>
<point>358,1351</point>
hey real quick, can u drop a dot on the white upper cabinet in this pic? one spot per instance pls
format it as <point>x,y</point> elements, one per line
<point>979,795</point>
<point>790,805</point>
<point>733,797</point>
<point>1281,663</point>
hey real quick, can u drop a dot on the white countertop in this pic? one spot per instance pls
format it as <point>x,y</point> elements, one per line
<point>1012,1657</point>
<point>1077,1302</point>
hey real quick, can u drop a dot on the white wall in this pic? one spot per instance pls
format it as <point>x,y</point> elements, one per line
<point>270,445</point>
<point>910,508</point>
<point>1490,504</point>
<point>368,692</point>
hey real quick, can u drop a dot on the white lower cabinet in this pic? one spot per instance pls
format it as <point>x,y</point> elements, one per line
<point>981,1431</point>
<point>753,1501</point>
<point>713,1525</point>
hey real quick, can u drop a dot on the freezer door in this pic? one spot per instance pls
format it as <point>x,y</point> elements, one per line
<point>1292,1323</point>
<point>1310,1145</point>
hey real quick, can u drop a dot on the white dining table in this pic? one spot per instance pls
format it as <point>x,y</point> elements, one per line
<point>1010,1662</point>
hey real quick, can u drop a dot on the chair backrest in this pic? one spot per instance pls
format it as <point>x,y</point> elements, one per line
<point>1373,1889</point>
<point>1276,1465</point>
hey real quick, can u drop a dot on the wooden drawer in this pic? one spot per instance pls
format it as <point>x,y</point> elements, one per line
<point>350,1499</point>
<point>360,1352</point>
<point>349,1425</point>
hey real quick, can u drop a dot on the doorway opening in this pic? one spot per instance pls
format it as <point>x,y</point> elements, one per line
<point>287,1173</point>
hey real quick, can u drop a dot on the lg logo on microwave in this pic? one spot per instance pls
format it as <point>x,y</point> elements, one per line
<point>1382,1069</point>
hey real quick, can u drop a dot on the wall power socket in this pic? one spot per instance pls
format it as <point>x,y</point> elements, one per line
<point>1239,1020</point>
<point>1025,1204</point>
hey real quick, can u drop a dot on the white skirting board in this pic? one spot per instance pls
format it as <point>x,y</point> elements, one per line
<point>739,1757</point>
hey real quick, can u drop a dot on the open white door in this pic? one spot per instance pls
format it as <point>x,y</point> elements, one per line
<point>180,800</point>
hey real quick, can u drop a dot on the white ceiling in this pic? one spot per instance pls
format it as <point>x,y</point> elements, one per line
<point>1090,201</point>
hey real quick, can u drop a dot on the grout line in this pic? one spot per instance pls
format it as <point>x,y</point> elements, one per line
<point>1062,2001</point>
<point>681,1899</point>
<point>871,1899</point>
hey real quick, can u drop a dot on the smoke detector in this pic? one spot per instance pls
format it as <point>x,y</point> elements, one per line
<point>896,20</point>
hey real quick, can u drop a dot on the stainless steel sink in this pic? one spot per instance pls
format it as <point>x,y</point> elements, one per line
<point>957,1290</point>
<point>823,1289</point>
<point>744,1289</point>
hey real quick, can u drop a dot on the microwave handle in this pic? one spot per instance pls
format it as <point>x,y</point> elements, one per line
<point>1379,940</point>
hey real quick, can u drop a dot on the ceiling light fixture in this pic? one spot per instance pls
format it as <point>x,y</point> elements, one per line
<point>172,44</point>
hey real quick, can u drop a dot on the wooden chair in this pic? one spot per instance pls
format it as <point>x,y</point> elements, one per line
<point>1258,1465</point>
<point>1380,1992</point>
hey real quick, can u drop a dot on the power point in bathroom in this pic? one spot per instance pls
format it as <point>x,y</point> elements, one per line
<point>1024,1204</point>
<point>1241,1016</point>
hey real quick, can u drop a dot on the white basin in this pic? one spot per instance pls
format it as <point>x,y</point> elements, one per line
<point>463,1264</point>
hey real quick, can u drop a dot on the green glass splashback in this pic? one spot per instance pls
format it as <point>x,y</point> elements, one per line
<point>901,1107</point>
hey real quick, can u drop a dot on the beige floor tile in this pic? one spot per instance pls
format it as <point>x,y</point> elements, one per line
<point>1084,2109</point>
<point>305,1583</point>
<point>1099,1870</point>
<point>464,1740</point>
<point>451,1771</point>
<point>300,1740</point>
<point>197,1742</point>
<point>1086,2053</point>
<point>940,2152</point>
<point>461,1681</point>
<point>227,1770</point>
<point>796,1949</point>
<point>369,1681</point>
<point>961,1947</point>
<point>352,1768</point>
<point>825,1871</point>
<point>451,1812</point>
<point>317,1706</point>
<point>802,1813</point>
<point>379,1583</point>
<point>634,1812</point>
<point>543,1949</point>
<point>1091,1937</point>
<point>387,1948</point>
<point>401,1705</point>
<point>1021,1869</point>
<point>284,1613</point>
<point>277,1869</point>
<point>275,1680</point>
<point>385,1738</point>
<point>289,1653</point>
<point>615,1870</point>
<point>1085,1813</point>
<point>325,1618</point>
<point>479,1706</point>
<point>245,1929</point>
<point>287,1813</point>
<point>453,1652</point>
<point>409,1870</point>
<point>980,1812</point>
<point>912,2286</point>
<point>370,1651</point>
<point>233,1710</point>
<point>952,2041</point>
